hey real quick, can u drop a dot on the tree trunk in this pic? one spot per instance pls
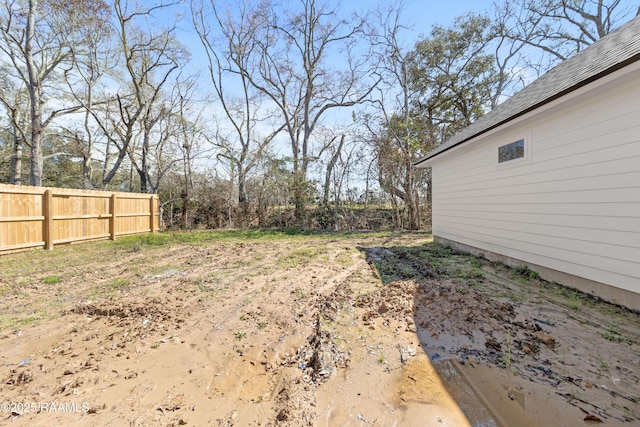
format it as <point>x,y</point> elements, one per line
<point>34,97</point>
<point>243,202</point>
<point>298,197</point>
<point>185,196</point>
<point>87,167</point>
<point>413,214</point>
<point>330,166</point>
<point>16,161</point>
<point>298,185</point>
<point>36,154</point>
<point>107,157</point>
<point>186,192</point>
<point>144,187</point>
<point>87,171</point>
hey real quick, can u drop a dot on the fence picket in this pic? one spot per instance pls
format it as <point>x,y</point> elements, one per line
<point>45,217</point>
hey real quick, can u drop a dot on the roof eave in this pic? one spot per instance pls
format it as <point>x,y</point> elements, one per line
<point>444,148</point>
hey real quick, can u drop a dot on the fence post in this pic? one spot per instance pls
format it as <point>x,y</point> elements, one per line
<point>112,218</point>
<point>48,220</point>
<point>152,210</point>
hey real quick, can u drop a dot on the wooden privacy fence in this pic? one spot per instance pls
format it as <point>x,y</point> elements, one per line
<point>43,217</point>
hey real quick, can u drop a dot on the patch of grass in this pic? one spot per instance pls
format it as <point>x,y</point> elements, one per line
<point>385,271</point>
<point>5,288</point>
<point>240,335</point>
<point>525,271</point>
<point>441,251</point>
<point>464,271</point>
<point>29,267</point>
<point>140,241</point>
<point>614,334</point>
<point>118,283</point>
<point>476,263</point>
<point>204,236</point>
<point>575,300</point>
<point>505,359</point>
<point>300,293</point>
<point>19,322</point>
<point>382,359</point>
<point>160,270</point>
<point>299,257</point>
<point>110,289</point>
<point>205,288</point>
<point>449,263</point>
<point>262,324</point>
<point>51,280</point>
<point>603,364</point>
<point>345,259</point>
<point>477,273</point>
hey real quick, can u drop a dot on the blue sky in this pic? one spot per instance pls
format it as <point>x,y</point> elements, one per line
<point>425,13</point>
<point>419,14</point>
<point>422,14</point>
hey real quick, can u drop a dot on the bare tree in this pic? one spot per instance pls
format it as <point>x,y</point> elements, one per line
<point>35,40</point>
<point>289,64</point>
<point>331,164</point>
<point>92,62</point>
<point>190,135</point>
<point>558,28</point>
<point>131,120</point>
<point>229,56</point>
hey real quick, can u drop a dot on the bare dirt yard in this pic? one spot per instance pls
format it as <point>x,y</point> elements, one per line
<point>265,328</point>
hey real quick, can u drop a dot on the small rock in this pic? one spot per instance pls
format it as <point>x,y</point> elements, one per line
<point>546,339</point>
<point>383,308</point>
<point>282,415</point>
<point>406,353</point>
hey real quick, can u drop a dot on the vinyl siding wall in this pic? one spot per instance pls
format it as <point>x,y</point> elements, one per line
<point>572,204</point>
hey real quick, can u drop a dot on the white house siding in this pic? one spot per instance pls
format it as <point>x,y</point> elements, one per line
<point>573,203</point>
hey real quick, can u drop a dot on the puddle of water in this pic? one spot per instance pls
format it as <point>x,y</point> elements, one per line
<point>443,342</point>
<point>379,254</point>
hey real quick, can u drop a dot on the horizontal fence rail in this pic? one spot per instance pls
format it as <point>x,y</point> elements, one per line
<point>32,217</point>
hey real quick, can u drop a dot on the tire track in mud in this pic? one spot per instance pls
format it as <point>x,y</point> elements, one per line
<point>302,356</point>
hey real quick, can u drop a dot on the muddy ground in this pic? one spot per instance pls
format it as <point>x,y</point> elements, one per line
<point>266,329</point>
